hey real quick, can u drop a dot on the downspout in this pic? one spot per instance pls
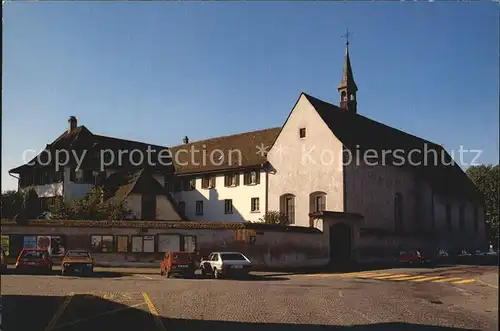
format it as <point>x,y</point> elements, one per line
<point>267,190</point>
<point>18,184</point>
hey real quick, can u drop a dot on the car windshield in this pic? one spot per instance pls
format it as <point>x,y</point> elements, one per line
<point>232,257</point>
<point>78,254</point>
<point>32,254</point>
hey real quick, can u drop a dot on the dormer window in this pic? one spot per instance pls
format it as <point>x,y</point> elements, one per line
<point>252,178</point>
<point>189,184</point>
<point>302,133</point>
<point>208,182</point>
<point>79,175</point>
<point>231,180</point>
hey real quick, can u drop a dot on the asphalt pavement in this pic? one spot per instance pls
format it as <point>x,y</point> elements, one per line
<point>389,299</point>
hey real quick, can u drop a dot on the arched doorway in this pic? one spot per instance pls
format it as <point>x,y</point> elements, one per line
<point>340,244</point>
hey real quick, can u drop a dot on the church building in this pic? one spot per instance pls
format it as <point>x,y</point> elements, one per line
<point>373,184</point>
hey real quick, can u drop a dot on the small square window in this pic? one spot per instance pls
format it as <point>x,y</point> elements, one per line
<point>302,133</point>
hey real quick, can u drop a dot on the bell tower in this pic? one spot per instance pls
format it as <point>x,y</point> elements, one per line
<point>347,86</point>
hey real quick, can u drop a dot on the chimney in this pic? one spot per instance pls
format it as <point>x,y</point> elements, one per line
<point>72,124</point>
<point>186,140</point>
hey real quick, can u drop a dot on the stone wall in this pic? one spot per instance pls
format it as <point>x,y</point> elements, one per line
<point>267,246</point>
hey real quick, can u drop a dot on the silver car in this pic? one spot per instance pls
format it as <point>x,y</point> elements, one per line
<point>225,264</point>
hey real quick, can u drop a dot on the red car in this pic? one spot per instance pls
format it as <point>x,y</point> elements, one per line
<point>411,257</point>
<point>178,263</point>
<point>34,259</point>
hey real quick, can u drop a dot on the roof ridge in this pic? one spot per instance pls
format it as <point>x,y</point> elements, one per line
<point>127,140</point>
<point>227,136</point>
<point>377,122</point>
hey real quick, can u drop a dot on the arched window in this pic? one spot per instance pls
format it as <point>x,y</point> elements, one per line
<point>287,207</point>
<point>398,212</point>
<point>317,202</point>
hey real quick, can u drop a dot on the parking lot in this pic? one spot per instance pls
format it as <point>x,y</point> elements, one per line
<point>120,300</point>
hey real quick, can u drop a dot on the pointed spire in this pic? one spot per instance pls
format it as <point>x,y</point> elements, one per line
<point>347,76</point>
<point>347,87</point>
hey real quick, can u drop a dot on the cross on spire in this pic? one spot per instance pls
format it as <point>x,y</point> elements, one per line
<point>346,37</point>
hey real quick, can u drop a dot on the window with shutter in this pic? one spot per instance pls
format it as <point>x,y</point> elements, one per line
<point>199,207</point>
<point>182,207</point>
<point>254,205</point>
<point>231,180</point>
<point>228,206</point>
<point>205,182</point>
<point>79,175</point>
<point>212,182</point>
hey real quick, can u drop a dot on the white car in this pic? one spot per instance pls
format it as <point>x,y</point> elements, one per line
<point>225,264</point>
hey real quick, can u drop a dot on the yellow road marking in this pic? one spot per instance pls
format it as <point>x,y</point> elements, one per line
<point>408,278</point>
<point>373,275</point>
<point>426,279</point>
<point>154,312</point>
<point>446,280</point>
<point>353,274</point>
<point>58,313</point>
<point>465,281</point>
<point>98,315</point>
<point>392,276</point>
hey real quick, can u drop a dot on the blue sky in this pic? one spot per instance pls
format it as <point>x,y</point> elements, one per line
<point>157,71</point>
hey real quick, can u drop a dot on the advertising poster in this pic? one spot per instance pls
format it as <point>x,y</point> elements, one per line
<point>6,244</point>
<point>169,243</point>
<point>122,244</point>
<point>96,243</point>
<point>149,244</point>
<point>43,242</point>
<point>56,246</point>
<point>190,244</point>
<point>136,244</point>
<point>107,244</point>
<point>29,242</point>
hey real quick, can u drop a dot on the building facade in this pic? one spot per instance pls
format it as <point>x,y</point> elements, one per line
<point>309,169</point>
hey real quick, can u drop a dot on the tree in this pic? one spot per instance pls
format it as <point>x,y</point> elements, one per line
<point>91,207</point>
<point>486,178</point>
<point>20,204</point>
<point>275,217</point>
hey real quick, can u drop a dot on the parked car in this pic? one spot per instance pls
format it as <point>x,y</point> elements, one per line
<point>225,264</point>
<point>77,261</point>
<point>412,257</point>
<point>178,263</point>
<point>34,259</point>
<point>3,260</point>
